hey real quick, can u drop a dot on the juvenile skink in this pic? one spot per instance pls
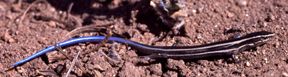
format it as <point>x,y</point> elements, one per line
<point>228,47</point>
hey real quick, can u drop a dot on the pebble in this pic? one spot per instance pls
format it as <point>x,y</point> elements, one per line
<point>8,38</point>
<point>285,74</point>
<point>194,11</point>
<point>266,60</point>
<point>199,36</point>
<point>20,70</point>
<point>277,44</point>
<point>199,10</point>
<point>264,52</point>
<point>241,2</point>
<point>229,14</point>
<point>247,64</point>
<point>52,24</point>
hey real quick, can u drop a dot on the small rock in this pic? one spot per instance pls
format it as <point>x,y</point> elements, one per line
<point>20,70</point>
<point>194,11</point>
<point>247,64</point>
<point>247,15</point>
<point>241,2</point>
<point>263,51</point>
<point>277,45</point>
<point>199,10</point>
<point>229,14</point>
<point>85,59</point>
<point>8,38</point>
<point>199,36</point>
<point>265,24</point>
<point>52,24</point>
<point>285,74</point>
<point>266,60</point>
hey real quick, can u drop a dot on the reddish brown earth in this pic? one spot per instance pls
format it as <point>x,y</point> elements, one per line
<point>207,21</point>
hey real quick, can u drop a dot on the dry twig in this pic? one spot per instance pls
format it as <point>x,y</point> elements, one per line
<point>25,12</point>
<point>72,64</point>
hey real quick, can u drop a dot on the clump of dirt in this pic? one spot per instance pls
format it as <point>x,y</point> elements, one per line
<point>31,25</point>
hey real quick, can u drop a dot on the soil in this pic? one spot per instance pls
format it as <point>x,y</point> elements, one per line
<point>24,32</point>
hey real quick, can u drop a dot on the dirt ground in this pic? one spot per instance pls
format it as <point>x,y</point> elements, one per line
<point>24,32</point>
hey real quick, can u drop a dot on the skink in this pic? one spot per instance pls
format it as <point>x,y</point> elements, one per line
<point>228,47</point>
